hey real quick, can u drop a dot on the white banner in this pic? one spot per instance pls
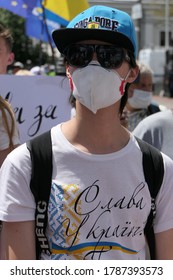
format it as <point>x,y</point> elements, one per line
<point>39,102</point>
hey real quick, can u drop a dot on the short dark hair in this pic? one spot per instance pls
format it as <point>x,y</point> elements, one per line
<point>5,33</point>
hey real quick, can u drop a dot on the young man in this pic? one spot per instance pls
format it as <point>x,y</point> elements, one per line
<point>99,201</point>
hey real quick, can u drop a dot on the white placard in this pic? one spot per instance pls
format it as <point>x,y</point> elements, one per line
<point>39,102</point>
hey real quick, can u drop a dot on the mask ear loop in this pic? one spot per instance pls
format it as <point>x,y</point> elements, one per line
<point>126,77</point>
<point>123,82</point>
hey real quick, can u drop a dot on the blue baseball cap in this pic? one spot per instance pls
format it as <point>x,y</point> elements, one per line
<point>98,23</point>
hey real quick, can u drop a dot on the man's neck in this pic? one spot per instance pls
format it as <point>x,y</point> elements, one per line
<point>97,134</point>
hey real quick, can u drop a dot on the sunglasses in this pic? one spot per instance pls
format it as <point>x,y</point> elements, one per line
<point>107,55</point>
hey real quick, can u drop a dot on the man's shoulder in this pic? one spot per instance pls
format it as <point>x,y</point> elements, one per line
<point>156,118</point>
<point>19,157</point>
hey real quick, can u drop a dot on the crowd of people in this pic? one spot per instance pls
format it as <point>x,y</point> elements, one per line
<point>99,198</point>
<point>18,68</point>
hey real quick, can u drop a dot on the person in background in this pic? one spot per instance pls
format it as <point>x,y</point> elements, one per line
<point>52,70</point>
<point>16,67</point>
<point>157,130</point>
<point>9,136</point>
<point>6,45</point>
<point>140,104</point>
<point>37,70</point>
<point>99,200</point>
<point>24,72</point>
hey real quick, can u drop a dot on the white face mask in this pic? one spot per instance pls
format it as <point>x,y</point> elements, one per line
<point>96,87</point>
<point>141,99</point>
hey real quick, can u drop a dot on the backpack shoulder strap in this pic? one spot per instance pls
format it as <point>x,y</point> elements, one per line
<point>153,171</point>
<point>40,148</point>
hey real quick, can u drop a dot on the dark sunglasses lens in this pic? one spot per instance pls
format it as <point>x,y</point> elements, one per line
<point>110,57</point>
<point>79,55</point>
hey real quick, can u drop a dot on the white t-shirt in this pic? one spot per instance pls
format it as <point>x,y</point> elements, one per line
<point>157,131</point>
<point>4,138</point>
<point>98,205</point>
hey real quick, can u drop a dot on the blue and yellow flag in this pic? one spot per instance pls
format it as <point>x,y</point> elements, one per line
<point>65,10</point>
<point>18,7</point>
<point>43,16</point>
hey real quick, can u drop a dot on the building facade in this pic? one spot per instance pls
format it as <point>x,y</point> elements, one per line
<point>153,20</point>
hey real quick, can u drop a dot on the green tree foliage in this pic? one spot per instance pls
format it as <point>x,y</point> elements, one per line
<point>24,47</point>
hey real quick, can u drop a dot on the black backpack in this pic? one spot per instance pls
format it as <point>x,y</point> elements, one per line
<point>40,149</point>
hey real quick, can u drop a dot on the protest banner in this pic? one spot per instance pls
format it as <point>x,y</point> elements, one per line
<point>39,102</point>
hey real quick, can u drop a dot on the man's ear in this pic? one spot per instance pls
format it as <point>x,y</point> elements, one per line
<point>11,58</point>
<point>68,74</point>
<point>133,74</point>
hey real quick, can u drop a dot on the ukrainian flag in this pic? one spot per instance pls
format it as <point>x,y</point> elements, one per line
<point>43,16</point>
<point>65,10</point>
